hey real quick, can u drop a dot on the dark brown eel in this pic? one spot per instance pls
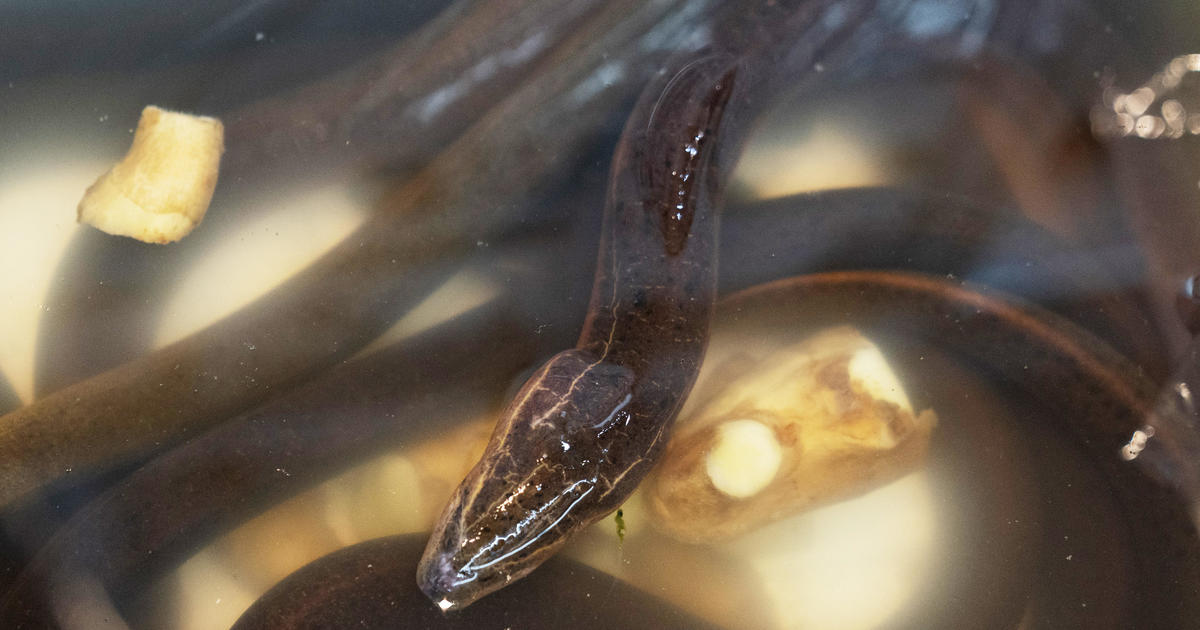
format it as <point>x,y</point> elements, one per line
<point>672,235</point>
<point>352,294</point>
<point>368,586</point>
<point>586,428</point>
<point>583,431</point>
<point>218,480</point>
<point>166,511</point>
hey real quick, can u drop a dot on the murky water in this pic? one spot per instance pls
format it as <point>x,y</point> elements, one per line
<point>980,145</point>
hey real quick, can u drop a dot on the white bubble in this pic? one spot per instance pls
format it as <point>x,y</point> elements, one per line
<point>1178,67</point>
<point>1149,127</point>
<point>1139,101</point>
<point>1125,124</point>
<point>1137,443</point>
<point>1193,124</point>
<point>1172,110</point>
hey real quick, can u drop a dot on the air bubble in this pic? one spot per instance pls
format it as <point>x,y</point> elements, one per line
<point>1149,127</point>
<point>1137,443</point>
<point>1139,101</point>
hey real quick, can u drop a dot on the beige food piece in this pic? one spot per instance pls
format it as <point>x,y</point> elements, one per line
<point>818,422</point>
<point>161,189</point>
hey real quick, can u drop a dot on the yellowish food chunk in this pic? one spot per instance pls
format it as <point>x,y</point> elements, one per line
<point>161,189</point>
<point>820,421</point>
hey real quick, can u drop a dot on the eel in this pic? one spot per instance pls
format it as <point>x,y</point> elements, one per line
<point>760,242</point>
<point>585,428</point>
<point>341,302</point>
<point>375,113</point>
<point>398,107</point>
<point>364,586</point>
<point>1087,392</point>
<point>165,511</point>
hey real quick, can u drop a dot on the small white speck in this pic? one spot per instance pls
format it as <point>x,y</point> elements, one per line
<point>259,36</point>
<point>283,471</point>
<point>819,67</point>
<point>1069,556</point>
<point>445,604</point>
<point>218,601</point>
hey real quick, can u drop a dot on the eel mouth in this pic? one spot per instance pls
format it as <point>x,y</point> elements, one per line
<point>441,583</point>
<point>464,562</point>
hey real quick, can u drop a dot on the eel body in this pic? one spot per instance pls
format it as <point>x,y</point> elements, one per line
<point>356,587</point>
<point>583,431</point>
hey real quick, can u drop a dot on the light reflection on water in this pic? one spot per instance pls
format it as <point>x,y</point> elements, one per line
<point>254,255</point>
<point>37,220</point>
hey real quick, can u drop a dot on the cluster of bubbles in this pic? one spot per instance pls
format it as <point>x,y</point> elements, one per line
<point>1137,443</point>
<point>1130,114</point>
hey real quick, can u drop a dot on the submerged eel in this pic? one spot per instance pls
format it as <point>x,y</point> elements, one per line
<point>584,430</point>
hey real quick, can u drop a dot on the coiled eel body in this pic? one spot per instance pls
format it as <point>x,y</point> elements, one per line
<point>584,430</point>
